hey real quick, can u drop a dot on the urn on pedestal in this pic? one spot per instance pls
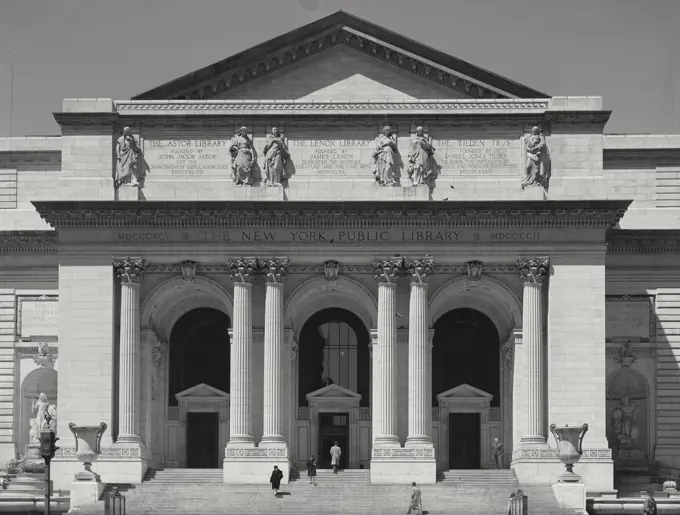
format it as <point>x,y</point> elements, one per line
<point>88,442</point>
<point>569,449</point>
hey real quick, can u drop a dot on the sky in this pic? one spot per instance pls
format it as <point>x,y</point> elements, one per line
<point>627,51</point>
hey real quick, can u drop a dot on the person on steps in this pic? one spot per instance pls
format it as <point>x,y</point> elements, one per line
<point>335,457</point>
<point>649,505</point>
<point>416,500</point>
<point>311,470</point>
<point>275,480</point>
<point>497,450</point>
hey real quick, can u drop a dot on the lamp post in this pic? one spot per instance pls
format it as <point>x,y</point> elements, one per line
<point>47,450</point>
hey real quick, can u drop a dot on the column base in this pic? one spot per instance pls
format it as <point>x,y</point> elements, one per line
<point>241,443</point>
<point>418,442</point>
<point>277,442</point>
<point>386,441</point>
<point>571,495</point>
<point>85,493</point>
<point>254,465</point>
<point>403,466</point>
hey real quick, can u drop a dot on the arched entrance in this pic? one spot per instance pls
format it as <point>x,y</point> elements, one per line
<point>334,370</point>
<point>198,379</point>
<point>40,380</point>
<point>466,385</point>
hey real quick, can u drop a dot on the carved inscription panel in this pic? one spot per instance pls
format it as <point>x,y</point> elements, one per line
<point>37,316</point>
<point>474,157</point>
<point>187,157</point>
<point>629,318</point>
<point>332,158</point>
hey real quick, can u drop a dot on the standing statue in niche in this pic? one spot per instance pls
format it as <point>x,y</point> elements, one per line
<point>127,159</point>
<point>623,422</point>
<point>40,408</point>
<point>537,171</point>
<point>242,157</point>
<point>422,167</point>
<point>277,159</point>
<point>386,158</point>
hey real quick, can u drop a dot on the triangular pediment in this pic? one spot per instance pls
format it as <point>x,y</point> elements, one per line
<point>201,390</point>
<point>344,58</point>
<point>333,391</point>
<point>465,391</point>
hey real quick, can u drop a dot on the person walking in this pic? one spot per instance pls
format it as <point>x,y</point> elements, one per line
<point>275,480</point>
<point>311,470</point>
<point>649,504</point>
<point>416,500</point>
<point>336,452</point>
<point>497,450</point>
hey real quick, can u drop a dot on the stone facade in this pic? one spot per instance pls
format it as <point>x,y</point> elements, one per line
<point>578,273</point>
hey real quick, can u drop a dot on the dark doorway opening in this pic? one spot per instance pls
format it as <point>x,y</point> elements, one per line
<point>199,333</point>
<point>464,441</point>
<point>202,440</point>
<point>333,427</point>
<point>466,349</point>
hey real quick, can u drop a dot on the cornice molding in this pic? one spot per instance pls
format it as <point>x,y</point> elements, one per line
<point>319,269</point>
<point>621,241</point>
<point>28,242</point>
<point>178,214</point>
<point>297,107</point>
<point>626,155</point>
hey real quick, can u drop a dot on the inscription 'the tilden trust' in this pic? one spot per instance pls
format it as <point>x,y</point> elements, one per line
<point>327,236</point>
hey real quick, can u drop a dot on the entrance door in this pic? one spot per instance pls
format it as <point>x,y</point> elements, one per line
<point>333,427</point>
<point>202,440</point>
<point>464,441</point>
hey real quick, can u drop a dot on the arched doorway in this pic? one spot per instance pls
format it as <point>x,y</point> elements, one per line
<point>334,351</point>
<point>466,378</point>
<point>199,370</point>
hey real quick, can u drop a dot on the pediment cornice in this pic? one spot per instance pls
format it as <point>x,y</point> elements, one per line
<point>28,242</point>
<point>288,214</point>
<point>622,241</point>
<point>340,29</point>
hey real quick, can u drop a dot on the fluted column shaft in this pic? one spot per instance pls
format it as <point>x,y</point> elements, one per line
<point>385,357</point>
<point>240,384</point>
<point>419,405</point>
<point>533,272</point>
<point>129,271</point>
<point>273,430</point>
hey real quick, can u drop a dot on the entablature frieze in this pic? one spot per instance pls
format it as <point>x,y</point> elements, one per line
<point>290,214</point>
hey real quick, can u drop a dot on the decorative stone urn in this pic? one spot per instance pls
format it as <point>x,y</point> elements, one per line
<point>569,449</point>
<point>88,440</point>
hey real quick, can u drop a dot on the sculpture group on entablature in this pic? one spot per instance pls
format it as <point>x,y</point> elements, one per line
<point>386,158</point>
<point>278,166</point>
<point>129,160</point>
<point>244,159</point>
<point>537,170</point>
<point>423,169</point>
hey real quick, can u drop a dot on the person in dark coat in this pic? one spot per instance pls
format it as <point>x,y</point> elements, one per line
<point>275,480</point>
<point>649,505</point>
<point>311,470</point>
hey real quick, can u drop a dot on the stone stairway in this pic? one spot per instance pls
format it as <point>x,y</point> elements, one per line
<point>174,491</point>
<point>631,485</point>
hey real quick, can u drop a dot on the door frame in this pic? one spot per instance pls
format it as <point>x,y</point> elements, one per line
<point>348,443</point>
<point>216,419</point>
<point>478,418</point>
<point>202,398</point>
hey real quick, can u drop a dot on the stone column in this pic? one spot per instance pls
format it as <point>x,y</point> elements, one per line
<point>385,380</point>
<point>273,420</point>
<point>129,272</point>
<point>533,271</point>
<point>419,405</point>
<point>241,382</point>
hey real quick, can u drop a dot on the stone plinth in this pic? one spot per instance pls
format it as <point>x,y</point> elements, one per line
<point>206,189</point>
<point>127,193</point>
<point>23,485</point>
<point>571,495</point>
<point>254,465</point>
<point>403,466</point>
<point>85,493</point>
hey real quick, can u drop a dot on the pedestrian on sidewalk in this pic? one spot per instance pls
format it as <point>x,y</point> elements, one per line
<point>311,470</point>
<point>416,500</point>
<point>275,480</point>
<point>336,452</point>
<point>649,505</point>
<point>497,450</point>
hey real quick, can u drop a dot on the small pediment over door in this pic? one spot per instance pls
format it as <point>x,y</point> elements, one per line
<point>202,392</point>
<point>465,394</point>
<point>333,395</point>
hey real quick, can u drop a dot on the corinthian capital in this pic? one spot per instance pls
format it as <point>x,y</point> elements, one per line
<point>533,270</point>
<point>275,269</point>
<point>386,269</point>
<point>419,268</point>
<point>130,270</point>
<point>242,270</point>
